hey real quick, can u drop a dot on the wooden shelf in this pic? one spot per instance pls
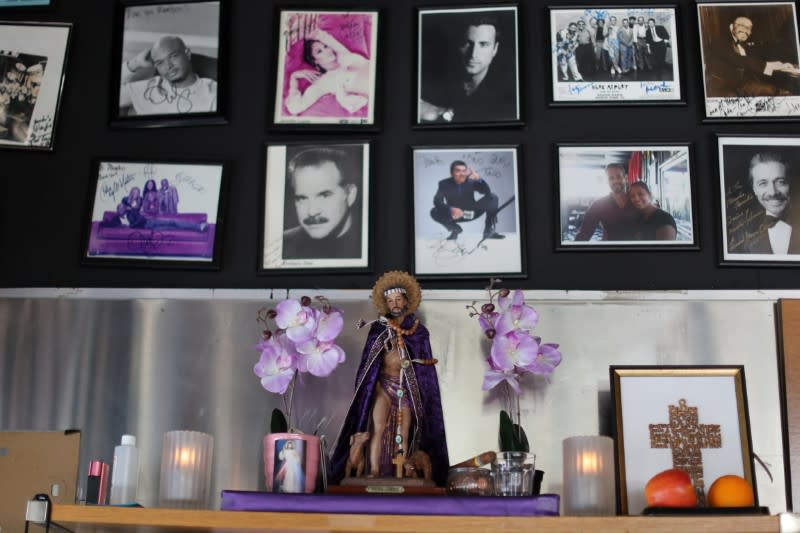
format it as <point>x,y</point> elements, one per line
<point>87,519</point>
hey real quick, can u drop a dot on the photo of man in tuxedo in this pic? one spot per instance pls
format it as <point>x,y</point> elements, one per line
<point>749,50</point>
<point>771,231</point>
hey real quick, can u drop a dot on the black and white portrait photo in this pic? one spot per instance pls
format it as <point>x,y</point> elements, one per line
<point>468,67</point>
<point>169,60</point>
<point>32,61</point>
<point>614,55</point>
<point>625,196</point>
<point>466,211</point>
<point>760,224</point>
<point>750,56</point>
<point>316,206</point>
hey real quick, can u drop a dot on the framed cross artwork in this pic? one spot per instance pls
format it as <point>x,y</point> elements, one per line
<point>693,418</point>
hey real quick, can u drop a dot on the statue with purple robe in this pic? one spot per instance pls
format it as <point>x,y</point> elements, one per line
<point>396,411</point>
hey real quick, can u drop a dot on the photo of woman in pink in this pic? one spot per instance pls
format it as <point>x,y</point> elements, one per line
<point>326,68</point>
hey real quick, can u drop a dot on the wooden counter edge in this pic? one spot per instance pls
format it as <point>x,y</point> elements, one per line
<point>85,518</point>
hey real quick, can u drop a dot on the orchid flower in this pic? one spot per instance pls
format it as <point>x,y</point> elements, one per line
<point>302,341</point>
<point>299,321</point>
<point>329,325</point>
<point>547,359</point>
<point>515,349</point>
<point>493,377</point>
<point>515,314</point>
<point>275,367</point>
<point>319,358</point>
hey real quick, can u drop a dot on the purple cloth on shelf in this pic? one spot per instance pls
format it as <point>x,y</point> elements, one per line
<point>542,505</point>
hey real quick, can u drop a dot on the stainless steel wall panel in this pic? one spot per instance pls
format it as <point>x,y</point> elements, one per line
<point>150,365</point>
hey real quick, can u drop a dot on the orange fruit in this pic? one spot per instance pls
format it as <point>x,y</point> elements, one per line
<point>731,491</point>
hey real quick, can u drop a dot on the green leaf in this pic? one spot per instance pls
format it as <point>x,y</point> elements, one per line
<point>512,437</point>
<point>278,423</point>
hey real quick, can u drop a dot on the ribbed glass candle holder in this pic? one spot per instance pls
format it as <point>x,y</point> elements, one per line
<point>588,476</point>
<point>185,469</point>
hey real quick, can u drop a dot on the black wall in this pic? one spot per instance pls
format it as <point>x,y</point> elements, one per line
<point>44,201</point>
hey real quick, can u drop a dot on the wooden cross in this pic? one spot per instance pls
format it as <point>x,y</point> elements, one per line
<point>687,438</point>
<point>398,461</point>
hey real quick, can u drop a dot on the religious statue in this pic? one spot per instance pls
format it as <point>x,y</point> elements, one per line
<point>396,411</point>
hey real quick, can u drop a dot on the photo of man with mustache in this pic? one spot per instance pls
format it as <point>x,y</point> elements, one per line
<point>771,231</point>
<point>323,185</point>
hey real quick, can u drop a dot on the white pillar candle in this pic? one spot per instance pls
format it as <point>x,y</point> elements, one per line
<point>588,476</point>
<point>185,469</point>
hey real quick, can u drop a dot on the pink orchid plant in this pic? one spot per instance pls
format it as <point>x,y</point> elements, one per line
<point>515,352</point>
<point>302,341</point>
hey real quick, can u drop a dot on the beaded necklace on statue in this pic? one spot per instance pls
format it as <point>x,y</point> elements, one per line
<point>402,332</point>
<point>398,437</point>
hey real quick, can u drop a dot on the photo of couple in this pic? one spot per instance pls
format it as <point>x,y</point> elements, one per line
<point>625,196</point>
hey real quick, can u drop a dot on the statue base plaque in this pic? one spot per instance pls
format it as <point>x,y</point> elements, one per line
<point>386,485</point>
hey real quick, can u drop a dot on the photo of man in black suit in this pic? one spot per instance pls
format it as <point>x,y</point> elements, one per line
<point>468,66</point>
<point>455,201</point>
<point>749,50</point>
<point>657,39</point>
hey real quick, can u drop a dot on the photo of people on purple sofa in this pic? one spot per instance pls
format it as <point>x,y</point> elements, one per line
<point>148,210</point>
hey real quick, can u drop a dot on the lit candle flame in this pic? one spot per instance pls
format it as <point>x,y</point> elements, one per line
<point>588,463</point>
<point>185,456</point>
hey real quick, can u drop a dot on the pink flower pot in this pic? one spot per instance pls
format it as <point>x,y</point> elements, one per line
<point>291,462</point>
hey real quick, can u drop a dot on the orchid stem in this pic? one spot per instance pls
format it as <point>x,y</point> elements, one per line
<point>288,408</point>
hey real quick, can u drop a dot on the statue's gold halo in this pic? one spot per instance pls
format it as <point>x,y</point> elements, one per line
<point>391,280</point>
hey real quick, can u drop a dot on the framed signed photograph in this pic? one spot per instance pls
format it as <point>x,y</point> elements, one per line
<point>327,62</point>
<point>466,212</point>
<point>33,58</point>
<point>750,59</point>
<point>316,207</point>
<point>168,64</point>
<point>156,213</point>
<point>625,196</point>
<point>468,66</point>
<point>615,55</point>
<point>758,221</point>
<point>25,3</point>
<point>693,418</point>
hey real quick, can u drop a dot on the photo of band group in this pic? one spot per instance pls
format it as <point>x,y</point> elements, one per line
<point>170,69</point>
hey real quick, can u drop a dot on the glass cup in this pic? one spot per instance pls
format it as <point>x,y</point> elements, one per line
<point>470,481</point>
<point>513,473</point>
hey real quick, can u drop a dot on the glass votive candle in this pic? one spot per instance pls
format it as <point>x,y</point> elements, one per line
<point>185,469</point>
<point>470,481</point>
<point>513,473</point>
<point>589,476</point>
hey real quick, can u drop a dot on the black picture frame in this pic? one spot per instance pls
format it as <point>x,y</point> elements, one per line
<point>180,226</point>
<point>692,400</point>
<point>353,32</point>
<point>596,73</point>
<point>583,178</point>
<point>747,237</point>
<point>33,58</point>
<point>140,96</point>
<point>445,248</point>
<point>493,75</point>
<point>27,5</point>
<point>739,41</point>
<point>328,228</point>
